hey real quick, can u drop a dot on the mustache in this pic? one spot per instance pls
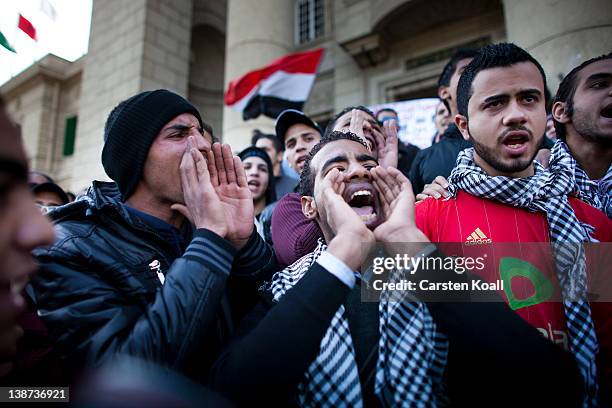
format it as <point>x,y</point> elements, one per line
<point>514,129</point>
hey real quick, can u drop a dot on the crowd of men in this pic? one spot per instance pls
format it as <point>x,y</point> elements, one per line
<point>236,280</point>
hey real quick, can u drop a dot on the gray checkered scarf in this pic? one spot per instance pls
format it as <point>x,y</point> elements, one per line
<point>547,191</point>
<point>411,359</point>
<point>597,193</point>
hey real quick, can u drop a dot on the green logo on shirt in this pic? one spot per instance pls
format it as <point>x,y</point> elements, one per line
<point>510,268</point>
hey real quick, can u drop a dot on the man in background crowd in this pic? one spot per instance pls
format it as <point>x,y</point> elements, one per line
<point>298,133</point>
<point>441,120</point>
<point>582,111</point>
<point>283,183</point>
<point>49,195</point>
<point>38,177</point>
<point>440,158</point>
<point>260,180</point>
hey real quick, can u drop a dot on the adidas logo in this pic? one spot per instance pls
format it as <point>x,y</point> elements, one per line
<point>478,237</point>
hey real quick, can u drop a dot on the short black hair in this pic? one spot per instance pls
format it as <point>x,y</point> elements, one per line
<point>491,56</point>
<point>451,66</point>
<point>386,110</point>
<point>257,134</point>
<point>307,179</point>
<point>47,177</point>
<point>567,89</point>
<point>330,126</point>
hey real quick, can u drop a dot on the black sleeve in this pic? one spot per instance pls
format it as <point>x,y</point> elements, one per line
<point>275,344</point>
<point>256,261</point>
<point>91,320</point>
<point>498,359</point>
<point>415,175</point>
<point>253,265</point>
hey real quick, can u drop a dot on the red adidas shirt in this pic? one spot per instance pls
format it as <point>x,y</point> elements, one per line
<point>475,221</point>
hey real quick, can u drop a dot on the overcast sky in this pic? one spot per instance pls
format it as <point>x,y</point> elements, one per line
<point>66,37</point>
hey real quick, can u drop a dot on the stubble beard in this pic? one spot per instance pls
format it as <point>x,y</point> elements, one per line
<point>586,128</point>
<point>490,157</point>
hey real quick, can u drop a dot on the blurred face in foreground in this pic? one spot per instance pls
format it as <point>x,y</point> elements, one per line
<point>22,228</point>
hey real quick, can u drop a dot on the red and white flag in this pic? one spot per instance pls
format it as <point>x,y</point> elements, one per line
<point>283,84</point>
<point>27,27</point>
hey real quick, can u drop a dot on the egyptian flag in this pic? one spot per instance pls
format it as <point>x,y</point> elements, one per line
<point>284,84</point>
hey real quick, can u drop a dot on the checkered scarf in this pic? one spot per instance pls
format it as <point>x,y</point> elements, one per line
<point>411,360</point>
<point>596,193</point>
<point>547,191</point>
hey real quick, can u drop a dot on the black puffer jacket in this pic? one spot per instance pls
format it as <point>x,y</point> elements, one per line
<point>99,292</point>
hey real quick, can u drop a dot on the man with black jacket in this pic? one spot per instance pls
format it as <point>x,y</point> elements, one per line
<point>311,341</point>
<point>440,158</point>
<point>140,266</point>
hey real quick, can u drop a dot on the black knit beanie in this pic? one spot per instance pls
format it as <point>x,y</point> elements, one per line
<point>130,130</point>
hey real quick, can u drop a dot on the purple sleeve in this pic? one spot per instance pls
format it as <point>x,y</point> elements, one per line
<point>293,235</point>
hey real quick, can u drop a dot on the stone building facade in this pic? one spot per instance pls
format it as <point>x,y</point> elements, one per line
<point>375,51</point>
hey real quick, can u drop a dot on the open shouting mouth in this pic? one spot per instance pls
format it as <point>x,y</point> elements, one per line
<point>606,112</point>
<point>516,142</point>
<point>254,185</point>
<point>363,199</point>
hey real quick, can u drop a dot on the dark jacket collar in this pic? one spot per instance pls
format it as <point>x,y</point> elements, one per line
<point>102,199</point>
<point>452,132</point>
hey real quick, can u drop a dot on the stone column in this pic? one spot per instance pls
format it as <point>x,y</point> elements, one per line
<point>560,34</point>
<point>257,33</point>
<point>133,46</point>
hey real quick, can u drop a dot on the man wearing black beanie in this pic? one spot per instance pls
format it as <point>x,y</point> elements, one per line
<point>140,264</point>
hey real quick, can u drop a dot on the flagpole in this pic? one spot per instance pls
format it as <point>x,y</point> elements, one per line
<point>15,33</point>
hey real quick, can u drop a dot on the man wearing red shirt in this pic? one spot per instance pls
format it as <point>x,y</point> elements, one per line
<point>499,195</point>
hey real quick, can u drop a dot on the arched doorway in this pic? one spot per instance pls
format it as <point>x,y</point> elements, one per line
<point>420,37</point>
<point>206,71</point>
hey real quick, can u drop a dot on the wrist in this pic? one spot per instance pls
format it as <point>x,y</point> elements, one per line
<point>217,230</point>
<point>406,234</point>
<point>238,244</point>
<point>351,248</point>
<point>239,239</point>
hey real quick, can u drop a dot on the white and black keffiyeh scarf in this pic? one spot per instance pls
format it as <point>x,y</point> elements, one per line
<point>411,359</point>
<point>547,191</point>
<point>596,193</point>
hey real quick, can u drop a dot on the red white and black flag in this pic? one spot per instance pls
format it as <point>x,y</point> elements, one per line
<point>283,84</point>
